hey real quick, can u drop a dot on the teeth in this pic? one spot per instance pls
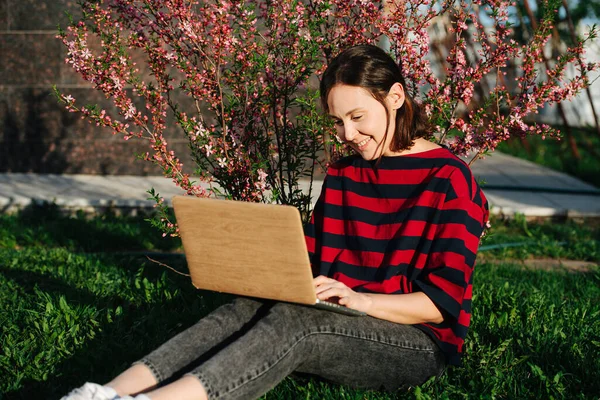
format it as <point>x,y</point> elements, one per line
<point>363,142</point>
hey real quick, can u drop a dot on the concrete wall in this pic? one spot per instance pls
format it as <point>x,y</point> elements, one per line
<point>38,134</point>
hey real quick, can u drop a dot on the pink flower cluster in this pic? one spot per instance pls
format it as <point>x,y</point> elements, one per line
<point>252,120</point>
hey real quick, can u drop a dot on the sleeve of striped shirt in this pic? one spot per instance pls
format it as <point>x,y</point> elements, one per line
<point>313,231</point>
<point>446,277</point>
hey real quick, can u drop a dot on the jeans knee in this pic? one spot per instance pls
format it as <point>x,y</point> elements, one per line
<point>287,313</point>
<point>284,308</point>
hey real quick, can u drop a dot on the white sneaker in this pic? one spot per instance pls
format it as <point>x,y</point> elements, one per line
<point>92,391</point>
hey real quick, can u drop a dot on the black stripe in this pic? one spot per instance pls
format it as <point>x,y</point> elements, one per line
<point>431,215</point>
<point>459,330</point>
<point>451,195</point>
<point>386,246</point>
<point>388,191</point>
<point>450,274</point>
<point>477,199</point>
<point>400,163</point>
<point>441,299</point>
<point>466,304</point>
<point>309,230</point>
<point>457,246</point>
<point>456,216</point>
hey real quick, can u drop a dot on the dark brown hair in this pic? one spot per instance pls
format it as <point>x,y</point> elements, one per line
<point>371,68</point>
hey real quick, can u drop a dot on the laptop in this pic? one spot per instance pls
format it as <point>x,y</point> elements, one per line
<point>248,249</point>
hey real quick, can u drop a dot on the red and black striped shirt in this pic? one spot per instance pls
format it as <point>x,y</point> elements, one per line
<point>410,223</point>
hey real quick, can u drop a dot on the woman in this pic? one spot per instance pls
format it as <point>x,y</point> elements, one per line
<point>394,234</point>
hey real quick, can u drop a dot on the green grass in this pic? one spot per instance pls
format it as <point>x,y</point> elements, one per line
<point>44,226</point>
<point>566,240</point>
<point>556,154</point>
<point>71,309</point>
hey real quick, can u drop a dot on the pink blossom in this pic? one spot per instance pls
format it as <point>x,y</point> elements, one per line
<point>245,67</point>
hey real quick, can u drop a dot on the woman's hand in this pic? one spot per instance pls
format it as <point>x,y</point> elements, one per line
<point>409,308</point>
<point>329,289</point>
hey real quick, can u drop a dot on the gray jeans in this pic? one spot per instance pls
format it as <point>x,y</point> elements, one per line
<point>244,349</point>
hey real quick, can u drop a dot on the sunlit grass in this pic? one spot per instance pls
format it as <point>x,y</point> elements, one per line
<point>72,310</point>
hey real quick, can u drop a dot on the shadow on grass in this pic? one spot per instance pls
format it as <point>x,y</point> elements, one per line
<point>138,330</point>
<point>46,225</point>
<point>542,319</point>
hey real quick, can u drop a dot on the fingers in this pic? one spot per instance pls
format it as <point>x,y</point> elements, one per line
<point>321,279</point>
<point>322,283</point>
<point>327,288</point>
<point>328,292</point>
<point>332,290</point>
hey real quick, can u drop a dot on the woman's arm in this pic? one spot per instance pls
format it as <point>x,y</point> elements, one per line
<point>410,308</point>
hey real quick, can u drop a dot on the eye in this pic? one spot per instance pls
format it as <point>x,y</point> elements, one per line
<point>357,118</point>
<point>338,122</point>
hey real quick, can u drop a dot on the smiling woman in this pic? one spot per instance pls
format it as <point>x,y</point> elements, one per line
<point>360,120</point>
<point>394,234</point>
<point>363,91</point>
<point>363,127</point>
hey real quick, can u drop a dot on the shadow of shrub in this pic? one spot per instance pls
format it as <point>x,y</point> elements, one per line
<point>46,225</point>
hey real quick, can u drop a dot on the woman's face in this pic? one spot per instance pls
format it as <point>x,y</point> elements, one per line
<point>360,120</point>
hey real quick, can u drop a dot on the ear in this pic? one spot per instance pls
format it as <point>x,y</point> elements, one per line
<point>395,97</point>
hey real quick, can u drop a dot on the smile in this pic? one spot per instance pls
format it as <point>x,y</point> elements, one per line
<point>362,144</point>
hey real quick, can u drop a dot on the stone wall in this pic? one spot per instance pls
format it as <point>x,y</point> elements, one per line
<point>38,134</point>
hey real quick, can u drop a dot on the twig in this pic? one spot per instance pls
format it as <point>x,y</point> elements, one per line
<point>165,265</point>
<point>477,156</point>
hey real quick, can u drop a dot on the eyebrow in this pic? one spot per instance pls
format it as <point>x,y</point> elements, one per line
<point>349,112</point>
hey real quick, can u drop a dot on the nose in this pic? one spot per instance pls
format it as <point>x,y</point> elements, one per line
<point>348,132</point>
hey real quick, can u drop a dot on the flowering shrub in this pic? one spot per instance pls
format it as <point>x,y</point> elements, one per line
<point>254,127</point>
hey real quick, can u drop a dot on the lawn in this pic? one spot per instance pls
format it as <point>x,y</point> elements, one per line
<point>79,301</point>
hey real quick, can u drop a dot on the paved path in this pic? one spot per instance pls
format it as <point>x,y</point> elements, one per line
<point>512,186</point>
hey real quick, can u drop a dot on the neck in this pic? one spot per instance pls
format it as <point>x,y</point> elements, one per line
<point>420,145</point>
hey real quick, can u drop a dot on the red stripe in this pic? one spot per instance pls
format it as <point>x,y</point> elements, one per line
<point>458,231</point>
<point>435,153</point>
<point>310,243</point>
<point>426,199</point>
<point>474,186</point>
<point>389,176</point>
<point>350,282</point>
<point>454,260</point>
<point>464,318</point>
<point>382,232</point>
<point>446,335</point>
<point>468,293</point>
<point>372,259</point>
<point>391,285</point>
<point>460,184</point>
